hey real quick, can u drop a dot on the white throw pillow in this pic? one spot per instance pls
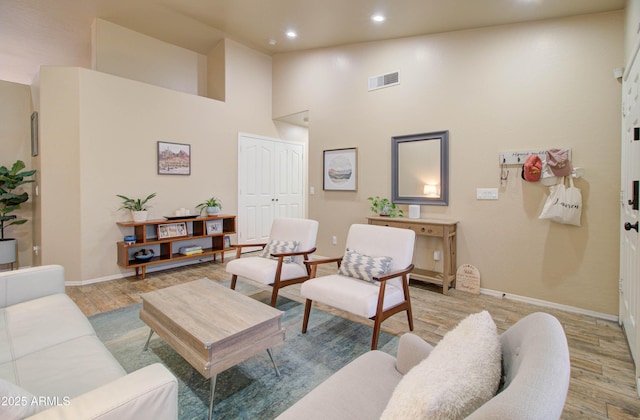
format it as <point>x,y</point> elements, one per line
<point>363,267</point>
<point>279,247</point>
<point>460,375</point>
<point>17,403</point>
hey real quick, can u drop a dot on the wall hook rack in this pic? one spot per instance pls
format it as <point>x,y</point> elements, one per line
<point>519,157</point>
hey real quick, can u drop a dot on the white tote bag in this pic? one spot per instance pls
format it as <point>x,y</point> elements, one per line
<point>564,205</point>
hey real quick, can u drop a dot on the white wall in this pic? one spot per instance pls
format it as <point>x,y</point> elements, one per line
<point>514,87</point>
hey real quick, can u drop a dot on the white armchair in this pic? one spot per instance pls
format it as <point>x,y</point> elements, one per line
<point>372,279</point>
<point>282,260</point>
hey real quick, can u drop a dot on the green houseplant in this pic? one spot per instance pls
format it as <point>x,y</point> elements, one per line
<point>212,205</point>
<point>138,206</point>
<point>10,201</point>
<point>384,207</point>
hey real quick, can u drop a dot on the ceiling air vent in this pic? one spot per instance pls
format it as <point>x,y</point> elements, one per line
<point>384,80</point>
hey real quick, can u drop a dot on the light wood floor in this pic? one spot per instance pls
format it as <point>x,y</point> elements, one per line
<point>602,371</point>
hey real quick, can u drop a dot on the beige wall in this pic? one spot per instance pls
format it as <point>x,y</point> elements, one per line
<point>123,52</point>
<point>99,135</point>
<point>515,87</point>
<point>15,144</point>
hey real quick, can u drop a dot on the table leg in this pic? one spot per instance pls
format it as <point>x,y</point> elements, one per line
<point>213,388</point>
<point>274,362</point>
<point>146,345</point>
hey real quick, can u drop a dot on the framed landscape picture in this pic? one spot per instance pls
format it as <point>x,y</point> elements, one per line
<point>174,158</point>
<point>340,169</point>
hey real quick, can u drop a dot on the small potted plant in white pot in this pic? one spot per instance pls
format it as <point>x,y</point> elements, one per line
<point>212,206</point>
<point>138,207</point>
<point>384,207</point>
<point>10,200</point>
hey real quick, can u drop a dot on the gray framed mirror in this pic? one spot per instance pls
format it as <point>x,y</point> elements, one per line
<point>420,168</point>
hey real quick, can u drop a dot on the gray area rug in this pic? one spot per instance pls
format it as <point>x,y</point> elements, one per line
<point>250,390</point>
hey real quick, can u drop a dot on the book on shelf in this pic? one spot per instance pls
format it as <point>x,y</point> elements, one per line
<point>194,252</point>
<point>189,248</point>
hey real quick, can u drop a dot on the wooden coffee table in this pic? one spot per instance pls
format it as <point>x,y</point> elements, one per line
<point>210,326</point>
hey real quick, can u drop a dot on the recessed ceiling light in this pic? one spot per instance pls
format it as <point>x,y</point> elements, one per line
<point>291,34</point>
<point>377,18</point>
<point>272,42</point>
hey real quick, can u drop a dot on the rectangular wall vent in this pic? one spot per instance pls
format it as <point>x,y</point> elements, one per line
<point>384,80</point>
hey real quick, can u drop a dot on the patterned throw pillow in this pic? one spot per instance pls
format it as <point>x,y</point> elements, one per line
<point>363,267</point>
<point>279,247</point>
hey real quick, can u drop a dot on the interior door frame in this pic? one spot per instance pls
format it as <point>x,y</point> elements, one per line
<point>629,288</point>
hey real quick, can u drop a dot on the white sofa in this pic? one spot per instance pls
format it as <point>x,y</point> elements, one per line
<point>535,371</point>
<point>52,365</point>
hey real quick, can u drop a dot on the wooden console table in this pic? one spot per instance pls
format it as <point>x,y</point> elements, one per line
<point>445,229</point>
<point>196,228</point>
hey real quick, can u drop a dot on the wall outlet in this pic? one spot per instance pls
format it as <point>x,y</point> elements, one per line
<point>437,255</point>
<point>334,240</point>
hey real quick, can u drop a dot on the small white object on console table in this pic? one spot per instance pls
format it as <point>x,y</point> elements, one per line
<point>440,228</point>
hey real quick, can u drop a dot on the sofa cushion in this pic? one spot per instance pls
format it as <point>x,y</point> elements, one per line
<point>461,373</point>
<point>279,247</point>
<point>43,322</point>
<point>68,369</point>
<point>363,267</point>
<point>17,403</point>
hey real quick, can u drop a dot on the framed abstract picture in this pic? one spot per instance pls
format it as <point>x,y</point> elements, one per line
<point>340,169</point>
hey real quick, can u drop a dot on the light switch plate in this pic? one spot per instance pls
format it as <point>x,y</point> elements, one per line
<point>486,193</point>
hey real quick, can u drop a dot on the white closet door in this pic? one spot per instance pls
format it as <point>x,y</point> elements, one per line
<point>270,184</point>
<point>289,183</point>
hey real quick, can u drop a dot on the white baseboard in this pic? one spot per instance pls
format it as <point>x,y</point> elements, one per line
<point>150,269</point>
<point>547,304</point>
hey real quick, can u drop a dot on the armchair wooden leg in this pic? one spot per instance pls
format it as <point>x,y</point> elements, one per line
<point>274,295</point>
<point>233,282</point>
<point>410,317</point>
<point>305,320</point>
<point>376,332</point>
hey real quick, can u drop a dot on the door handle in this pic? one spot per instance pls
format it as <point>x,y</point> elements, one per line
<point>634,202</point>
<point>629,226</point>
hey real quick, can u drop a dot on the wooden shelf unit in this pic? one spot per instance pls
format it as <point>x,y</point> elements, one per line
<point>440,228</point>
<point>196,229</point>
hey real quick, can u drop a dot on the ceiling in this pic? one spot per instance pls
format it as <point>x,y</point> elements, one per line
<point>45,32</point>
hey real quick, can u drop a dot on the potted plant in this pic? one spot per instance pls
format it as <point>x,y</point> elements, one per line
<point>384,207</point>
<point>212,205</point>
<point>137,206</point>
<point>10,201</point>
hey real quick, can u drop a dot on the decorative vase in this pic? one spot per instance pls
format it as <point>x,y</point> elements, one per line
<point>213,210</point>
<point>8,251</point>
<point>140,216</point>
